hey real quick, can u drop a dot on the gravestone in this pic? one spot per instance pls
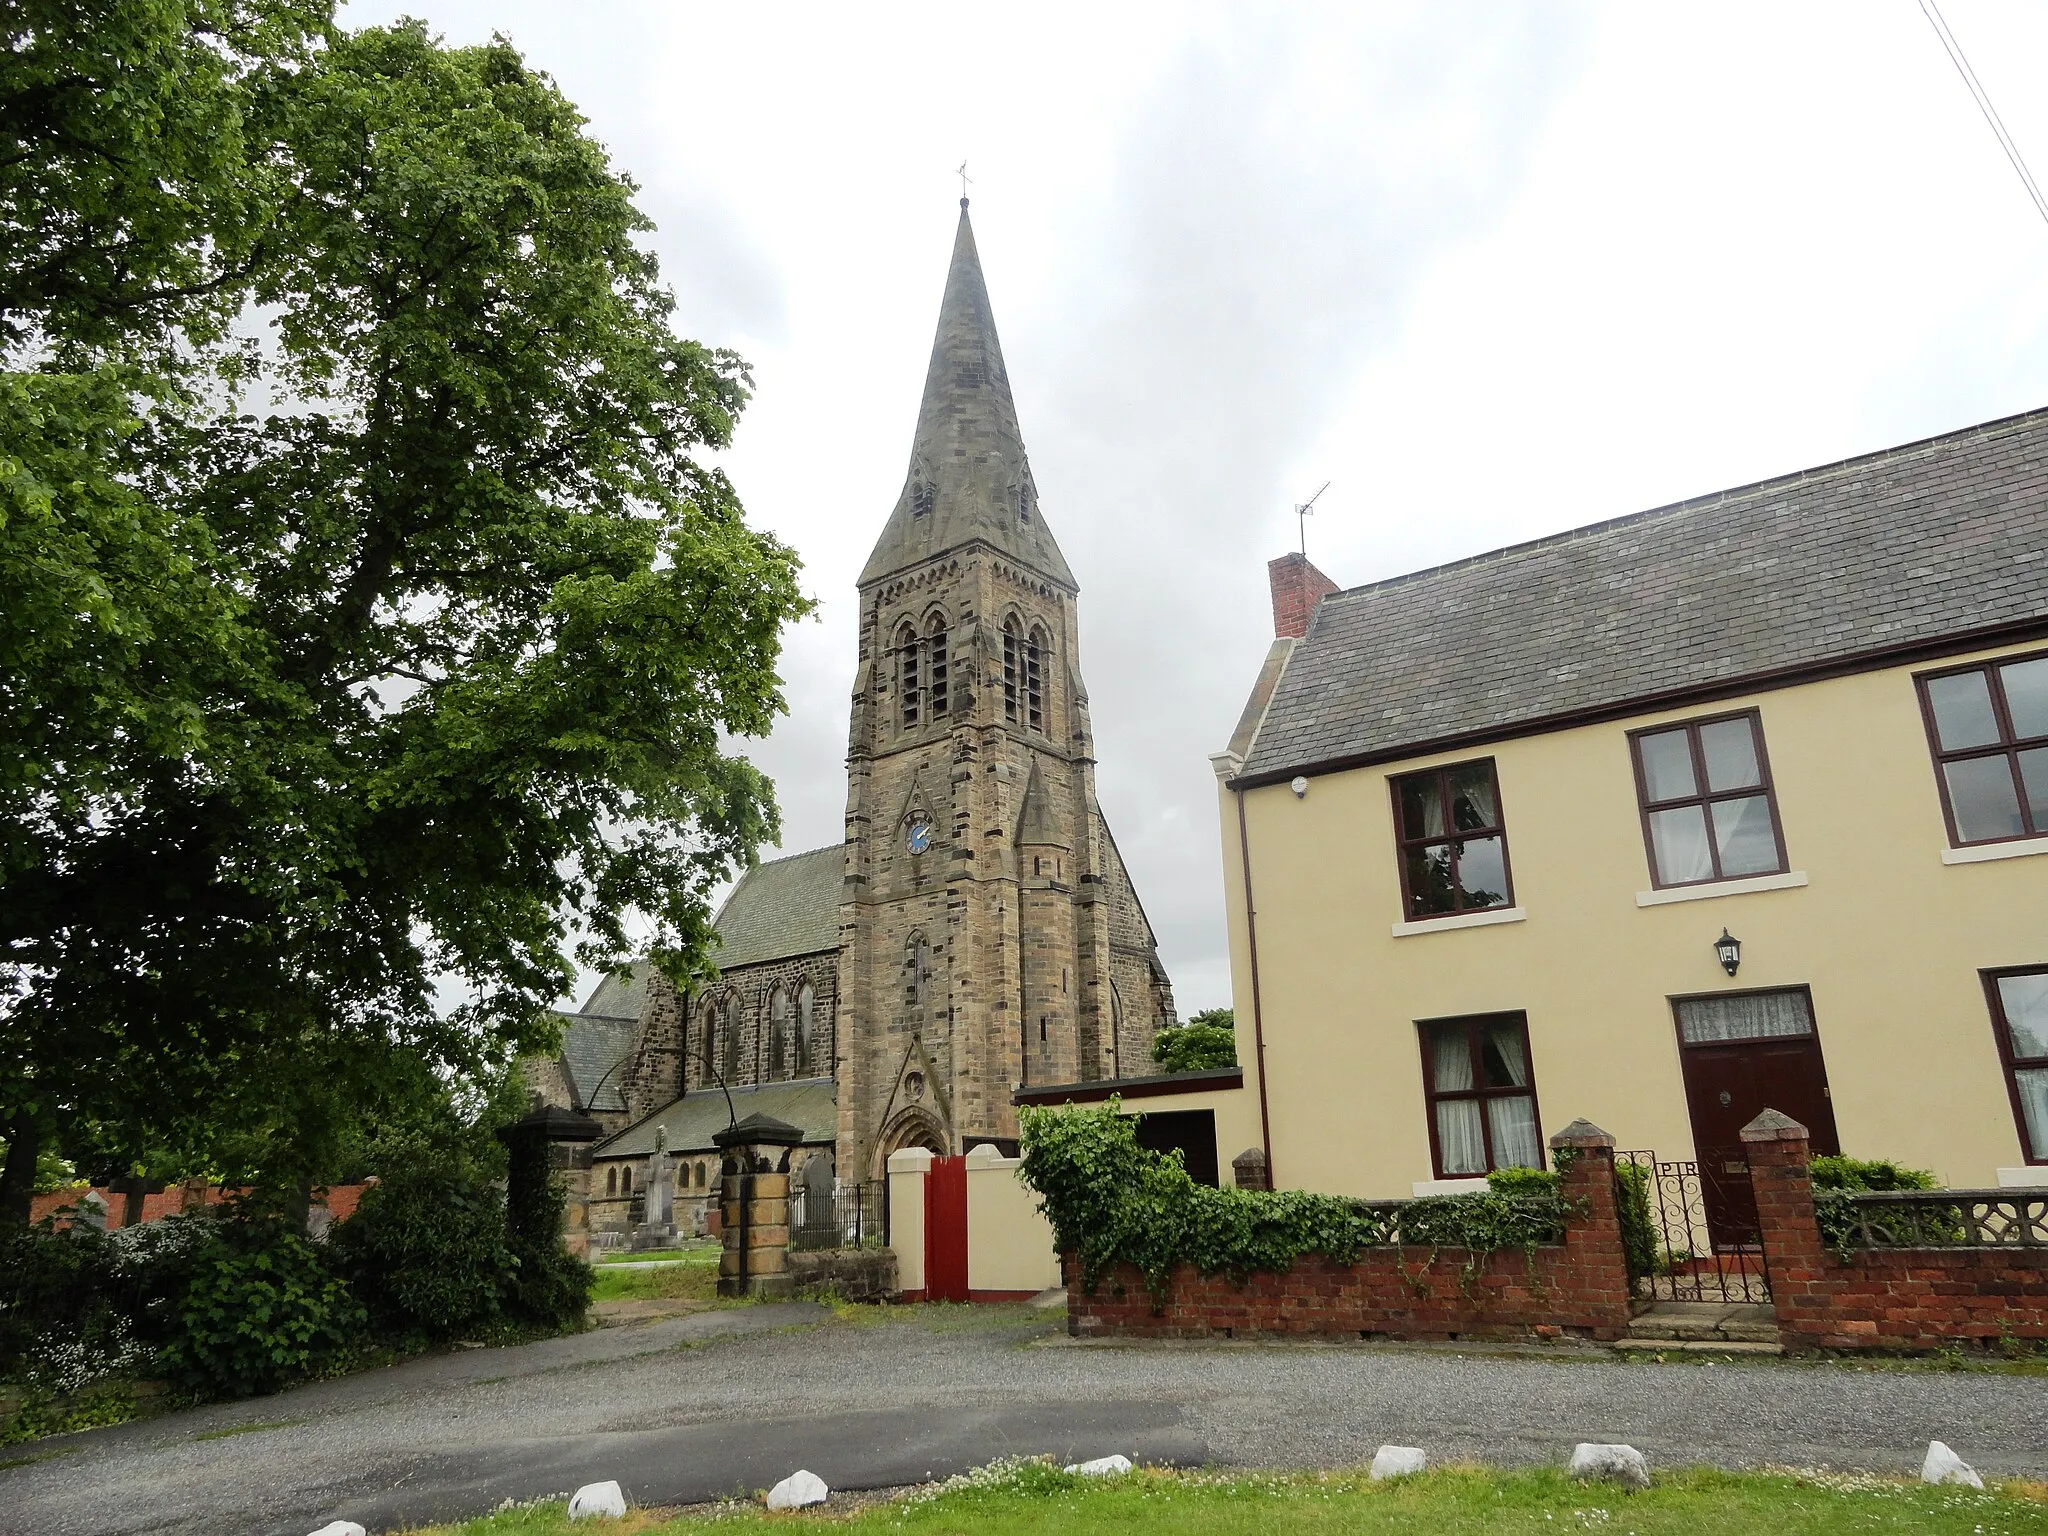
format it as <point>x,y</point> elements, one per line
<point>657,1220</point>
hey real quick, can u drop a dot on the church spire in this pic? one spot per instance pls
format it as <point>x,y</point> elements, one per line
<point>969,478</point>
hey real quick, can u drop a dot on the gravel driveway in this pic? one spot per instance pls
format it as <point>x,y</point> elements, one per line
<point>728,1401</point>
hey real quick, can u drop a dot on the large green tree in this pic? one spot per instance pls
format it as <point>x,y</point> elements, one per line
<point>435,654</point>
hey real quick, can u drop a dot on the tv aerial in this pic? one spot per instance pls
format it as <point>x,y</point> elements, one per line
<point>1301,514</point>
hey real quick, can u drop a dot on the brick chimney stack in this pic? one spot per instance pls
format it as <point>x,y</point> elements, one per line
<point>1297,588</point>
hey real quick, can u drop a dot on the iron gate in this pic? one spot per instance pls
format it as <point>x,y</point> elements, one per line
<point>1675,1253</point>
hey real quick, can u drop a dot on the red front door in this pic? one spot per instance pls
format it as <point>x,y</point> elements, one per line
<point>1729,1085</point>
<point>945,1230</point>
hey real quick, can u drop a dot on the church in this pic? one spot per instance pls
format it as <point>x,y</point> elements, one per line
<point>976,933</point>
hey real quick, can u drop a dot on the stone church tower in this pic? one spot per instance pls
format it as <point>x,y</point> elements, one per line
<point>989,936</point>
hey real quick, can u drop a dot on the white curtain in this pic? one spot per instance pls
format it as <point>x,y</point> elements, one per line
<point>1512,1120</point>
<point>2024,1000</point>
<point>2033,1086</point>
<point>1758,1016</point>
<point>1680,838</point>
<point>1460,1139</point>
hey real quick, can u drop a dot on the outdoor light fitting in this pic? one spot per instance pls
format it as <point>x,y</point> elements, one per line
<point>1728,949</point>
<point>1300,788</point>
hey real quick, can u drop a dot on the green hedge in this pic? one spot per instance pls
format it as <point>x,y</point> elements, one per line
<point>1110,1201</point>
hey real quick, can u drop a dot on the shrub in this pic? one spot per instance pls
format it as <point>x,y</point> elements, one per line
<point>1110,1201</point>
<point>1857,1173</point>
<point>1638,1230</point>
<point>1836,1179</point>
<point>259,1309</point>
<point>426,1253</point>
<point>56,1286</point>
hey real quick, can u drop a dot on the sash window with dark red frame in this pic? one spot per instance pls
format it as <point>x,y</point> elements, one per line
<point>1452,841</point>
<point>1709,812</point>
<point>1480,1088</point>
<point>1988,725</point>
<point>2019,1012</point>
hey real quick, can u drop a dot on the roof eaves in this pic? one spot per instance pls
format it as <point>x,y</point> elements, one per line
<point>1927,648</point>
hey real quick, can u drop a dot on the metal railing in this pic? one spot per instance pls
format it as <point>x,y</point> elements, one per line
<point>1935,1218</point>
<point>849,1216</point>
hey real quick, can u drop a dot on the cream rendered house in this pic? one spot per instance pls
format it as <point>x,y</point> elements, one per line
<point>1737,803</point>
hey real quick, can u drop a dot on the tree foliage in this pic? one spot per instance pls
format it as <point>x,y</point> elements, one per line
<point>1207,1041</point>
<point>369,624</point>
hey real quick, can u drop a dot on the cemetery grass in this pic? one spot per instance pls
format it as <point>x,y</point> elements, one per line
<point>1037,1499</point>
<point>695,1278</point>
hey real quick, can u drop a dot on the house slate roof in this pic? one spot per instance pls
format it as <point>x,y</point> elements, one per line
<point>1942,537</point>
<point>810,1104</point>
<point>783,908</point>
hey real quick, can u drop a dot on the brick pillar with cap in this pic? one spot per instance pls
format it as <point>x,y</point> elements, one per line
<point>1795,1258</point>
<point>1592,1235</point>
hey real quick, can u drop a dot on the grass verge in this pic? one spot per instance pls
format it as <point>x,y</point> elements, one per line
<point>1034,1498</point>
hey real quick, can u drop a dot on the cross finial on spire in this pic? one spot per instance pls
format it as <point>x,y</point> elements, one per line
<point>964,179</point>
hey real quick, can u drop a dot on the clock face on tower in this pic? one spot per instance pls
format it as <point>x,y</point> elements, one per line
<point>920,836</point>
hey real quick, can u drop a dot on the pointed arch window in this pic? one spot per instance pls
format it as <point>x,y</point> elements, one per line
<point>806,1041</point>
<point>1034,679</point>
<point>917,959</point>
<point>611,1182</point>
<point>935,664</point>
<point>778,1034</point>
<point>710,1044</point>
<point>1024,674</point>
<point>729,1039</point>
<point>909,675</point>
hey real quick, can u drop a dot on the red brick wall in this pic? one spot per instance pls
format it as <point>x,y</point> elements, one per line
<point>341,1201</point>
<point>1881,1298</point>
<point>1579,1288</point>
<point>1297,588</point>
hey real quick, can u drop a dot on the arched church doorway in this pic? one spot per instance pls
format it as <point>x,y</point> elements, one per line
<point>912,1127</point>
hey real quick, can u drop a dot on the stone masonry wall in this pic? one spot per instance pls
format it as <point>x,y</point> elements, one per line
<point>754,986</point>
<point>1879,1298</point>
<point>1577,1289</point>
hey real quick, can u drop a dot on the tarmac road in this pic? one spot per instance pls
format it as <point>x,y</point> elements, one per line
<point>729,1401</point>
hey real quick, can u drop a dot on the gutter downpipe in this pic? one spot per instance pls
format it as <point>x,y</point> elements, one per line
<point>1251,929</point>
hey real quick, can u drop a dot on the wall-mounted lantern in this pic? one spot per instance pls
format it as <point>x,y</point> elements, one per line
<point>1728,950</point>
<point>1300,787</point>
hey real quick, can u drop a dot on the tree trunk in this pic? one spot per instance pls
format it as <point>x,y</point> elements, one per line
<point>18,1182</point>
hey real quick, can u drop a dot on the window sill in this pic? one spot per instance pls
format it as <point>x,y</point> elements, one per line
<point>1984,853</point>
<point>1785,882</point>
<point>1463,920</point>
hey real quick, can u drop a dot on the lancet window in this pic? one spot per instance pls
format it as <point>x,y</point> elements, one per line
<point>1024,675</point>
<point>778,1035</point>
<point>806,1042</point>
<point>909,675</point>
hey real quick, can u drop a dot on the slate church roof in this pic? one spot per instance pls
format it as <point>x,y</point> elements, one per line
<point>1831,568</point>
<point>969,478</point>
<point>811,1104</point>
<point>598,1035</point>
<point>781,909</point>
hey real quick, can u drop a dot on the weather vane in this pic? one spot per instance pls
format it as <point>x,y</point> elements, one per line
<point>1301,514</point>
<point>964,179</point>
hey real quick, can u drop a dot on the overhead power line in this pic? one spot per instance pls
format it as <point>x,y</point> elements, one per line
<point>1932,12</point>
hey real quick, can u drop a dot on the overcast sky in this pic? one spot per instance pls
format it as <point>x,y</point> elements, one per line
<point>1492,270</point>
